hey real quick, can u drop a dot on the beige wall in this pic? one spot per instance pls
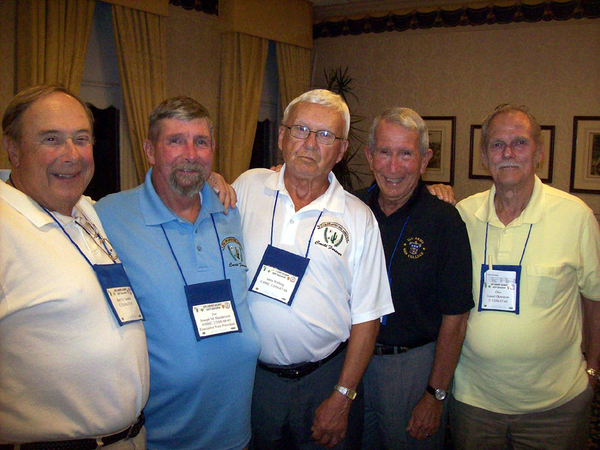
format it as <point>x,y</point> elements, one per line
<point>194,56</point>
<point>553,67</point>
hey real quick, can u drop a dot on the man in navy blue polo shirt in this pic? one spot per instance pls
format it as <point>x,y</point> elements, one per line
<point>429,267</point>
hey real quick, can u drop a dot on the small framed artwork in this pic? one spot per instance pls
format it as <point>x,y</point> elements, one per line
<point>585,161</point>
<point>543,170</point>
<point>442,139</point>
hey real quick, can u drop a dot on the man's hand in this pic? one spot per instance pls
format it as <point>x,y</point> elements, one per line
<point>443,192</point>
<point>426,418</point>
<point>331,420</point>
<point>225,191</point>
<point>276,168</point>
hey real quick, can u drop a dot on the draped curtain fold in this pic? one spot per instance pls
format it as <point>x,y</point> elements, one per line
<point>141,50</point>
<point>242,70</point>
<point>293,69</point>
<point>52,40</point>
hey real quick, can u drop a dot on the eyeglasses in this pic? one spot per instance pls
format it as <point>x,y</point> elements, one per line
<point>322,136</point>
<point>94,233</point>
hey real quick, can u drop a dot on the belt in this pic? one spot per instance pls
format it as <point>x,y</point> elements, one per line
<point>296,371</point>
<point>381,350</point>
<point>81,444</point>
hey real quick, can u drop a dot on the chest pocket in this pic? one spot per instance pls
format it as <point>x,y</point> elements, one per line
<point>545,283</point>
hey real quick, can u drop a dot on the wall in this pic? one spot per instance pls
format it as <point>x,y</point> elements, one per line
<point>7,68</point>
<point>553,67</point>
<point>194,56</point>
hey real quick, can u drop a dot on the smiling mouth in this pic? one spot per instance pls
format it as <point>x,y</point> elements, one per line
<point>66,176</point>
<point>394,180</point>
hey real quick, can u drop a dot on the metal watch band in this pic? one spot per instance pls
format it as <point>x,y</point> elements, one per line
<point>593,373</point>
<point>346,392</point>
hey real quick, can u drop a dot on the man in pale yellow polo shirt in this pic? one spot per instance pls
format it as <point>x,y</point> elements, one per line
<point>522,380</point>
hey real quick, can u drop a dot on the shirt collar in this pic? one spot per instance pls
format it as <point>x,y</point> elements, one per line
<point>24,204</point>
<point>533,212</point>
<point>155,212</point>
<point>333,199</point>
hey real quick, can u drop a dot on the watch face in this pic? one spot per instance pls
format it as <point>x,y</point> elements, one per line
<point>440,394</point>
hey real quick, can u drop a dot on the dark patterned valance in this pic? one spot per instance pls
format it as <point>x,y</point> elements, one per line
<point>518,12</point>
<point>206,6</point>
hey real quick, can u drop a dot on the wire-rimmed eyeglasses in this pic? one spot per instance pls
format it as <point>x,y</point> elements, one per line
<point>322,136</point>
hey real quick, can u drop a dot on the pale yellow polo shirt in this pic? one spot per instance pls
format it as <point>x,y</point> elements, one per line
<point>532,361</point>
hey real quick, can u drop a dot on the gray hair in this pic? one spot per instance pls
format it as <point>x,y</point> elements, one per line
<point>406,118</point>
<point>536,129</point>
<point>11,121</point>
<point>325,98</point>
<point>180,108</point>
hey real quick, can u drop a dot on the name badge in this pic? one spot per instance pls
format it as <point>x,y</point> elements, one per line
<point>119,293</point>
<point>212,309</point>
<point>279,275</point>
<point>499,289</point>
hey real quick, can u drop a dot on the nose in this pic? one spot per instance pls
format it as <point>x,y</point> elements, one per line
<point>395,163</point>
<point>71,151</point>
<point>311,140</point>
<point>190,152</point>
<point>508,152</point>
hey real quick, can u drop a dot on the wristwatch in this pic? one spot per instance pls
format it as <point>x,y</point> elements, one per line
<point>438,394</point>
<point>346,392</point>
<point>593,373</point>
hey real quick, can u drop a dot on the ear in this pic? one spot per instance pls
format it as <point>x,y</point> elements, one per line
<point>282,130</point>
<point>369,156</point>
<point>12,149</point>
<point>484,159</point>
<point>425,160</point>
<point>343,149</point>
<point>149,150</point>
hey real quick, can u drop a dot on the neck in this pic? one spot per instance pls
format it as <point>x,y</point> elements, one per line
<point>389,206</point>
<point>511,202</point>
<point>304,191</point>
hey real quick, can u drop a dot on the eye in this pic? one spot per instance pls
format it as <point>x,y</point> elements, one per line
<point>302,129</point>
<point>201,143</point>
<point>83,140</point>
<point>51,140</point>
<point>326,134</point>
<point>175,141</point>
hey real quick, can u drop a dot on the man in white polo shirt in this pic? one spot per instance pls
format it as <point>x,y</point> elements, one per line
<point>318,284</point>
<point>73,366</point>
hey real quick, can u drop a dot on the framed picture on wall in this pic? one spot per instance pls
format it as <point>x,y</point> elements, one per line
<point>442,139</point>
<point>585,161</point>
<point>543,170</point>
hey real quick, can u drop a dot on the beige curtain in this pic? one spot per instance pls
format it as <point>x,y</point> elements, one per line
<point>141,49</point>
<point>52,40</point>
<point>242,70</point>
<point>293,69</point>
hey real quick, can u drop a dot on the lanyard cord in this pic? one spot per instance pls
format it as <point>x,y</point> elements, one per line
<point>524,248</point>
<point>311,234</point>
<point>175,257</point>
<point>395,248</point>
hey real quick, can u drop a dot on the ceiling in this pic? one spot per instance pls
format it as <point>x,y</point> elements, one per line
<point>326,9</point>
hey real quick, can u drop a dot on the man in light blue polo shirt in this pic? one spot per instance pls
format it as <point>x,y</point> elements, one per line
<point>185,259</point>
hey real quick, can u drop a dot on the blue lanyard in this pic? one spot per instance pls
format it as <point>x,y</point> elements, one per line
<point>175,257</point>
<point>394,252</point>
<point>524,248</point>
<point>311,234</point>
<point>84,229</point>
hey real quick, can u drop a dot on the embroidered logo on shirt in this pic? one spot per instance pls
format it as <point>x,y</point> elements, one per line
<point>414,247</point>
<point>235,251</point>
<point>332,236</point>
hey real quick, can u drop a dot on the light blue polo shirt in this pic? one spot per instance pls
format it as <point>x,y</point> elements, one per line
<point>200,391</point>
